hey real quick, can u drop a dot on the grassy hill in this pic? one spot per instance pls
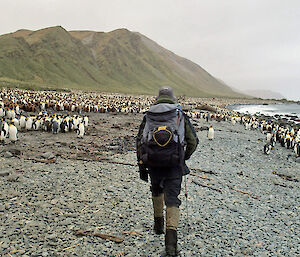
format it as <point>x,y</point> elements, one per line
<point>117,61</point>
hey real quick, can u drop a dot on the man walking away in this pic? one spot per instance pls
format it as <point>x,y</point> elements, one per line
<point>166,138</point>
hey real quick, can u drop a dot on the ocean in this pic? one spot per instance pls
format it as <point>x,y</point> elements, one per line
<point>291,109</point>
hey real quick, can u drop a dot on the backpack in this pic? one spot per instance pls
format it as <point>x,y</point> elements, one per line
<point>162,143</point>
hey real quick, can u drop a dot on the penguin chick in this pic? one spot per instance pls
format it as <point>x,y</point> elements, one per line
<point>55,127</point>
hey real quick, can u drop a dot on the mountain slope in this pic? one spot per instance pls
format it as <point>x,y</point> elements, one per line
<point>117,61</point>
<point>50,56</point>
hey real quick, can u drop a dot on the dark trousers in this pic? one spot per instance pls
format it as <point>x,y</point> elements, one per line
<point>170,187</point>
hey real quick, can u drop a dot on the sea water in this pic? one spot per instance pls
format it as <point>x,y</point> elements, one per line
<point>270,109</point>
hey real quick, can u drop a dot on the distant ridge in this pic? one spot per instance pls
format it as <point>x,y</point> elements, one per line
<point>117,61</point>
<point>265,94</point>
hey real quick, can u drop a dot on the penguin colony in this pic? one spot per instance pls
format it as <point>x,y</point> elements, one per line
<point>54,123</point>
<point>276,131</point>
<point>14,102</point>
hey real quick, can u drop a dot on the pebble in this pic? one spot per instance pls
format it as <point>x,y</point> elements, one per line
<point>13,177</point>
<point>43,209</point>
<point>8,154</point>
<point>48,155</point>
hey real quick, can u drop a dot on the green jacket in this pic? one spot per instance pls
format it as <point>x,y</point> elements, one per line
<point>190,134</point>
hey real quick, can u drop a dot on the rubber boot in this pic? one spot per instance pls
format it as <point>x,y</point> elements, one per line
<point>158,207</point>
<point>172,220</point>
<point>171,242</point>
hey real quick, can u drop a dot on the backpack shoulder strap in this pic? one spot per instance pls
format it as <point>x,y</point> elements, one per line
<point>188,122</point>
<point>139,137</point>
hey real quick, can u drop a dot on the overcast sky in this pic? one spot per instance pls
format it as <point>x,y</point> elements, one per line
<point>249,44</point>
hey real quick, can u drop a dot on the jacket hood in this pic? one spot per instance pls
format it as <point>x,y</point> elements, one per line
<point>165,99</point>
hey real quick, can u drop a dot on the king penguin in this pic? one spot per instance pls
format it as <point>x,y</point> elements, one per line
<point>22,121</point>
<point>86,121</point>
<point>297,149</point>
<point>211,133</point>
<point>15,122</point>
<point>269,136</point>
<point>2,112</point>
<point>80,131</point>
<point>28,125</point>
<point>3,130</point>
<point>267,148</point>
<point>12,133</point>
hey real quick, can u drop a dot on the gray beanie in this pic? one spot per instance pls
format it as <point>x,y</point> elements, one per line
<point>167,91</point>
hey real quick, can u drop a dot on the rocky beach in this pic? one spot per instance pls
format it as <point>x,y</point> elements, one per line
<point>94,94</point>
<point>241,202</point>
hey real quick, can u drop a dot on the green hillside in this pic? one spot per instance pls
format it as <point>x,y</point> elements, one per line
<point>118,61</point>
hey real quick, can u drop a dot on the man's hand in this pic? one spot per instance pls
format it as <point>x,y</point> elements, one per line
<point>186,157</point>
<point>143,172</point>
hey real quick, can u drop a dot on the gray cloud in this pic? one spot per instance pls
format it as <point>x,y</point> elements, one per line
<point>246,43</point>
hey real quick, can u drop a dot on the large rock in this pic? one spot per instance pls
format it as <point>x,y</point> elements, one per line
<point>206,107</point>
<point>4,173</point>
<point>8,154</point>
